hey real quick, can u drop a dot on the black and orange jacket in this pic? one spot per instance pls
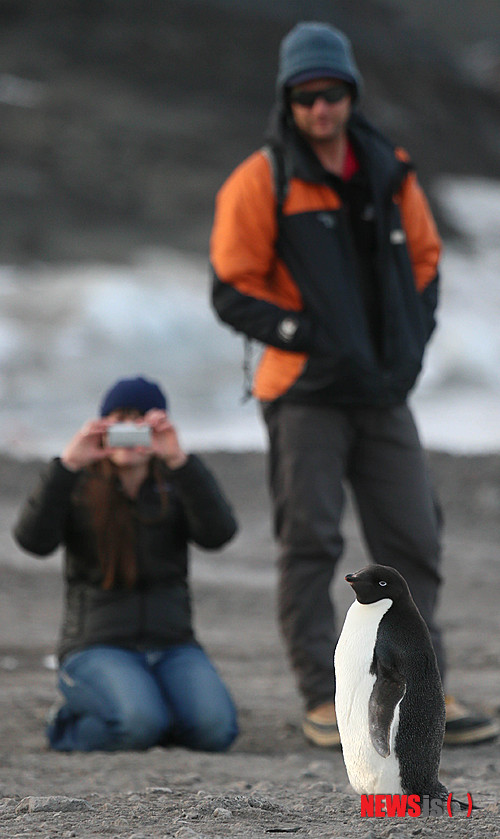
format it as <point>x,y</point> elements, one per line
<point>289,279</point>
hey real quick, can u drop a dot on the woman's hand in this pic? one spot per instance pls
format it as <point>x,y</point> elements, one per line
<point>87,446</point>
<point>164,440</point>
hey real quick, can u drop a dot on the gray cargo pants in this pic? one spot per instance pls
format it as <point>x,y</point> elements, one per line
<point>313,451</point>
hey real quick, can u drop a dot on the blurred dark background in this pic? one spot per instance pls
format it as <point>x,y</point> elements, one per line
<point>121,118</point>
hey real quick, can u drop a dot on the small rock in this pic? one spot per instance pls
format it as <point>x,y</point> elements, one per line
<point>241,785</point>
<point>321,786</point>
<point>186,833</point>
<point>9,662</point>
<point>158,790</point>
<point>262,786</point>
<point>50,662</point>
<point>317,768</point>
<point>120,823</point>
<point>222,813</point>
<point>51,804</point>
<point>261,803</point>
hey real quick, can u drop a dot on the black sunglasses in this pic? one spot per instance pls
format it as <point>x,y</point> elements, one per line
<point>307,98</point>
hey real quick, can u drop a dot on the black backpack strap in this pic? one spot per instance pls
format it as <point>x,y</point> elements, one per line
<point>276,160</point>
<point>247,369</point>
<point>278,168</point>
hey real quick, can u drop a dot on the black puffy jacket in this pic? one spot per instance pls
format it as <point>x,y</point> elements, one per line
<point>156,612</point>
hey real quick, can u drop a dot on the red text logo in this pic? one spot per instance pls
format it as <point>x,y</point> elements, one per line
<point>390,806</point>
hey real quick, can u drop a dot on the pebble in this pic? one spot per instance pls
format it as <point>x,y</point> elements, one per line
<point>321,786</point>
<point>158,790</point>
<point>186,833</point>
<point>50,662</point>
<point>241,785</point>
<point>120,823</point>
<point>222,813</point>
<point>51,804</point>
<point>316,769</point>
<point>262,786</point>
<point>263,803</point>
<point>9,662</point>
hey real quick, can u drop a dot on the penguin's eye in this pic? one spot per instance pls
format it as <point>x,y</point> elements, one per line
<point>382,583</point>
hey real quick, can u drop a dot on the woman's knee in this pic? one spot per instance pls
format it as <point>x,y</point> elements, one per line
<point>136,728</point>
<point>210,732</point>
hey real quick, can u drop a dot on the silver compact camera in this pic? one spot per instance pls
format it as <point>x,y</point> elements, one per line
<point>127,435</point>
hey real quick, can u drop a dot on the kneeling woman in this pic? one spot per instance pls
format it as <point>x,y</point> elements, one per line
<point>131,671</point>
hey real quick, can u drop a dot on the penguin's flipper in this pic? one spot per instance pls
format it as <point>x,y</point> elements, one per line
<point>388,691</point>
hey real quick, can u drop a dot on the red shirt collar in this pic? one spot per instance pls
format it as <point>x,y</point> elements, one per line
<point>351,163</point>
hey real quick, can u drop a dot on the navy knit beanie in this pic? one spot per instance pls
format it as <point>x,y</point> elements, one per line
<point>136,393</point>
<point>317,50</point>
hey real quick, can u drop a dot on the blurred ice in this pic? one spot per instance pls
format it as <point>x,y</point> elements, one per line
<point>67,332</point>
<point>21,92</point>
<point>457,400</point>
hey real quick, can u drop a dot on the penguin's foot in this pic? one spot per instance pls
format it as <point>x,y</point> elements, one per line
<point>320,726</point>
<point>466,727</point>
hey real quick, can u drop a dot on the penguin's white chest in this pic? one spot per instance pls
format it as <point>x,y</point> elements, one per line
<point>368,772</point>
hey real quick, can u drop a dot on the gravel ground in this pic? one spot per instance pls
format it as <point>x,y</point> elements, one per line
<point>271,781</point>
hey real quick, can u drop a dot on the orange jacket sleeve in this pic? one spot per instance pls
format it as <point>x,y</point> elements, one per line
<point>424,244</point>
<point>252,290</point>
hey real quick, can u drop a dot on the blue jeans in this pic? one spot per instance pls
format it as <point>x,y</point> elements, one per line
<point>122,699</point>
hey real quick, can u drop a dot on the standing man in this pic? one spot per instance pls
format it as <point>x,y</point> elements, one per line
<point>324,250</point>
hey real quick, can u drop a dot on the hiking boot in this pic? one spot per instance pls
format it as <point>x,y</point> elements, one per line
<point>320,726</point>
<point>466,727</point>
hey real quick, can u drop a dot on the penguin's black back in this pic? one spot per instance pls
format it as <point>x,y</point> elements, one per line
<point>403,640</point>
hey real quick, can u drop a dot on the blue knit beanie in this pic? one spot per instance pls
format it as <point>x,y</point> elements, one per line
<point>317,50</point>
<point>136,393</point>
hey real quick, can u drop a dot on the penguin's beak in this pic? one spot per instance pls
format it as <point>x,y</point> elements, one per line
<point>350,578</point>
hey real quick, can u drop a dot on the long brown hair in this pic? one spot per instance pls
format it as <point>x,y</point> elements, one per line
<point>113,518</point>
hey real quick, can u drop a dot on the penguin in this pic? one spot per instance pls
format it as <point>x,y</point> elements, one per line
<point>389,697</point>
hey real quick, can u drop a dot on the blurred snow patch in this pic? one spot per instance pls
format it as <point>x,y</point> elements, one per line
<point>21,92</point>
<point>66,333</point>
